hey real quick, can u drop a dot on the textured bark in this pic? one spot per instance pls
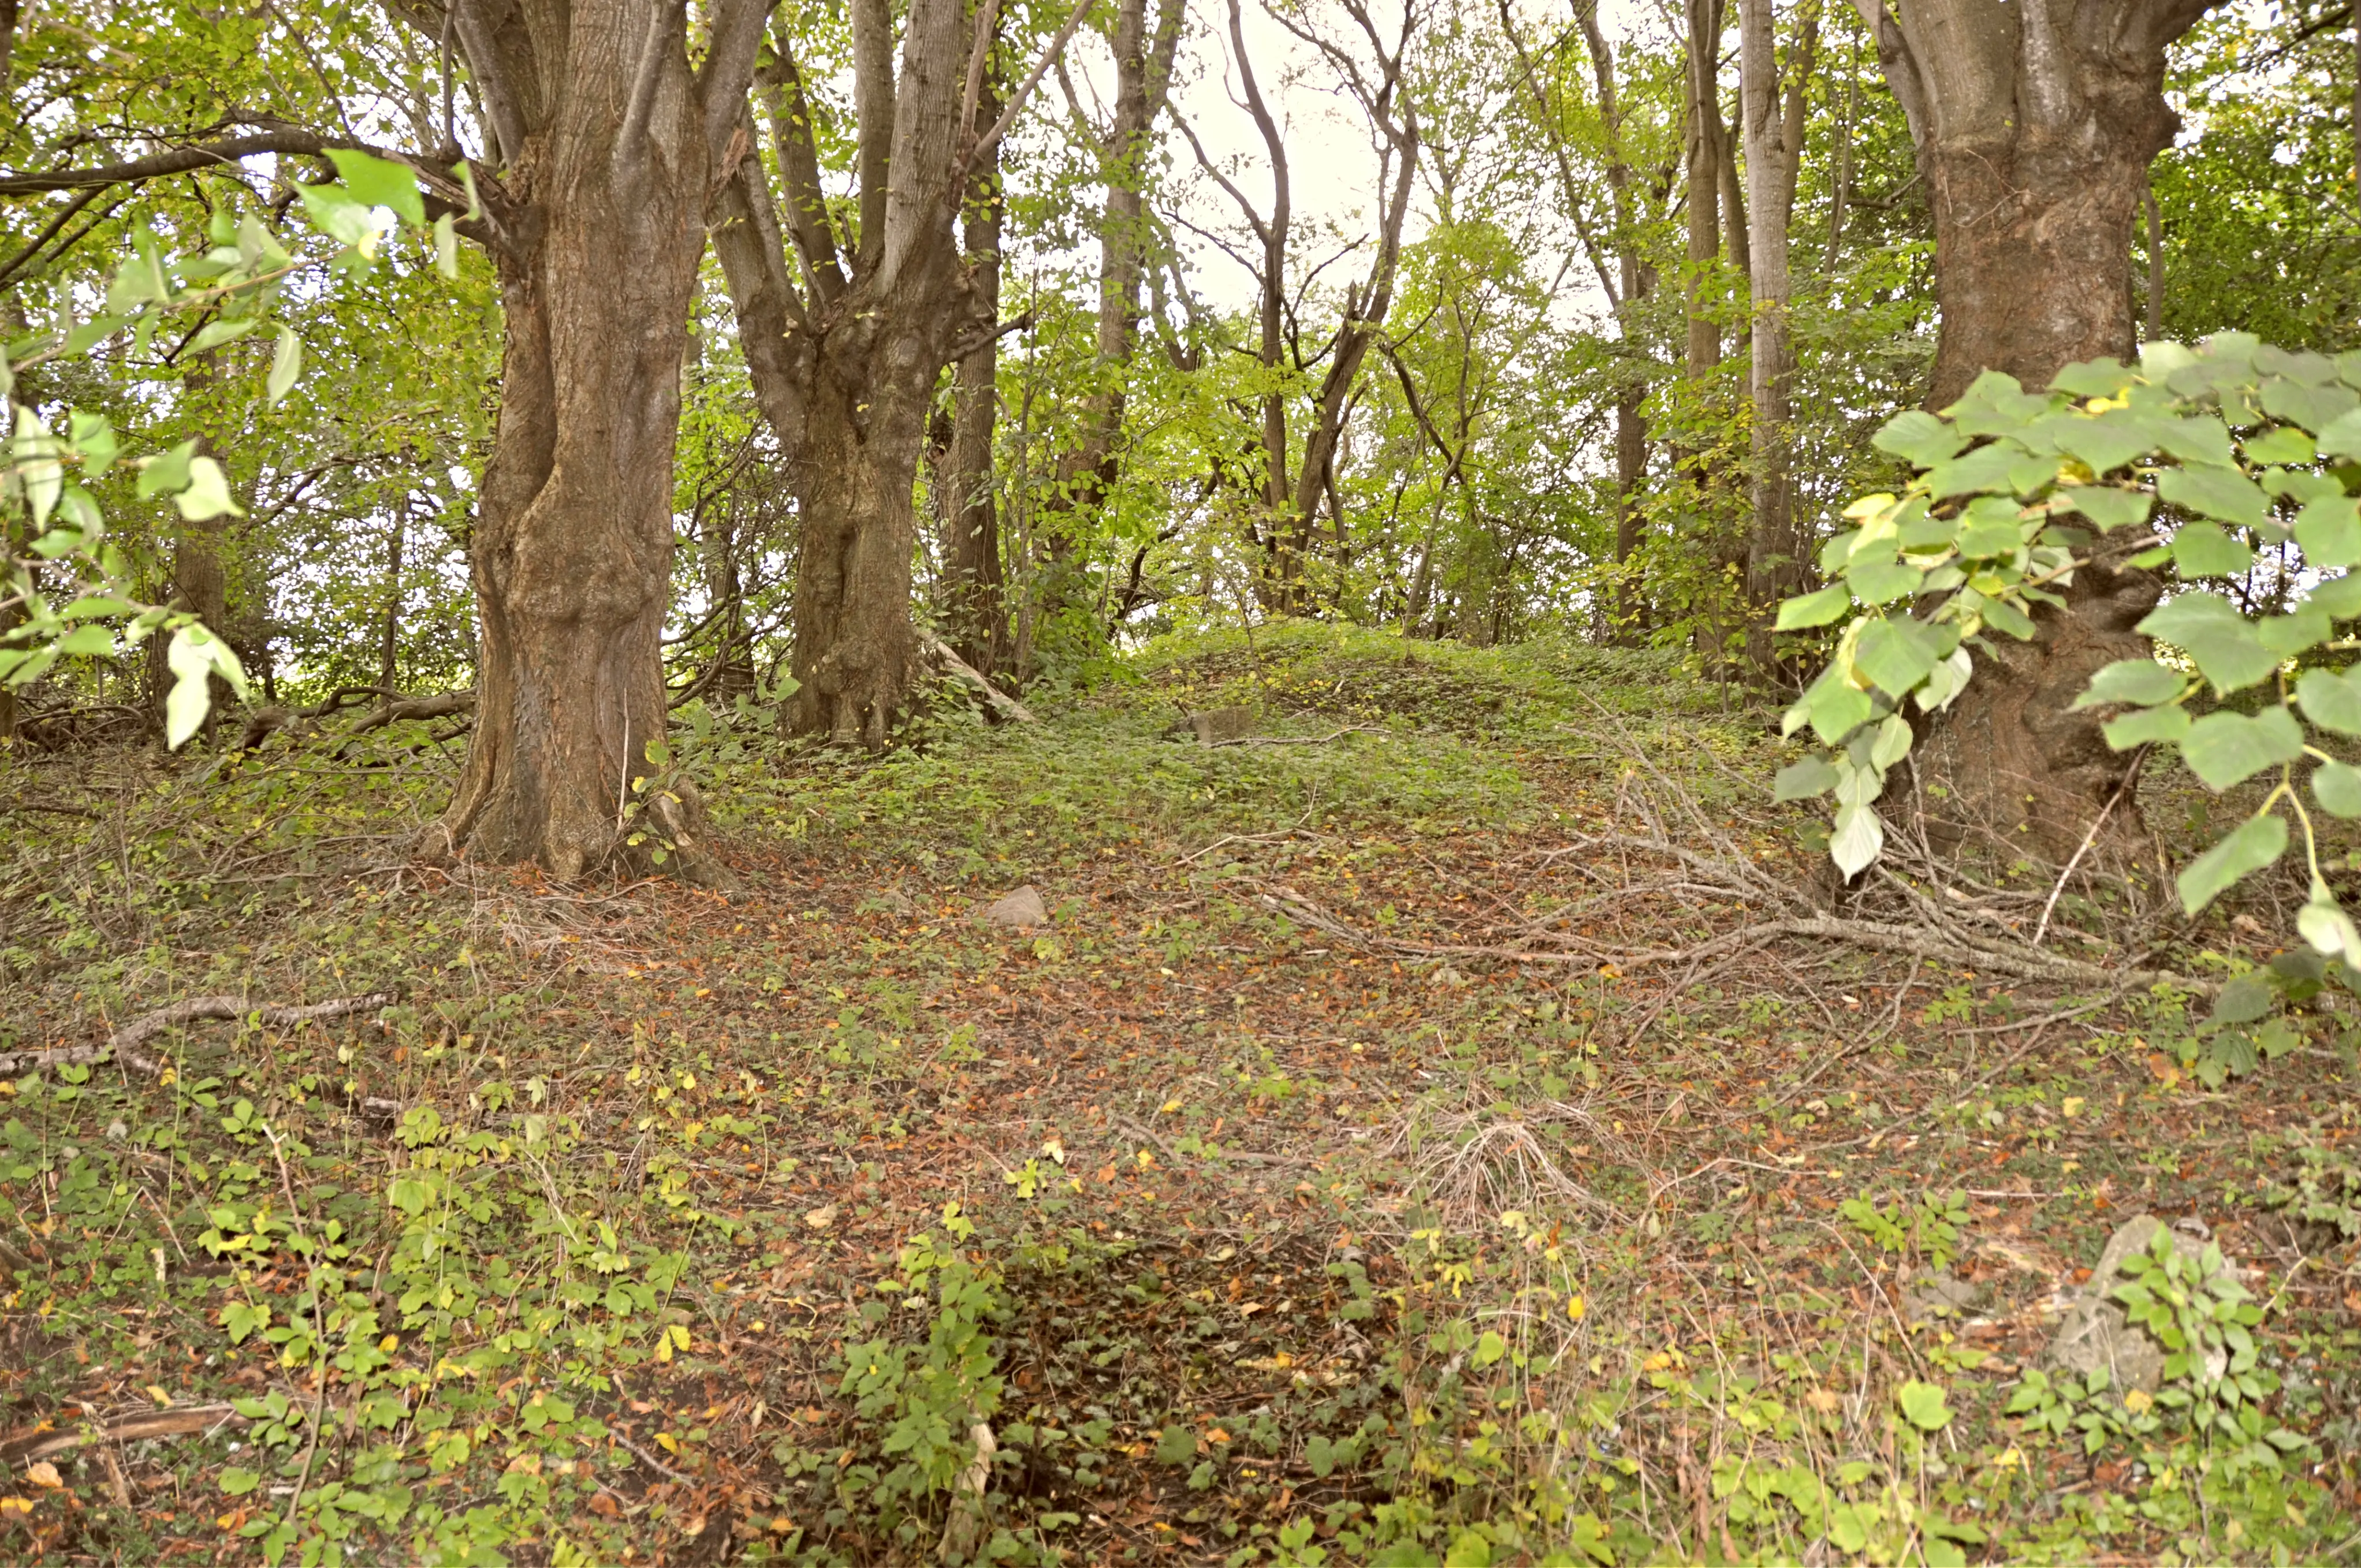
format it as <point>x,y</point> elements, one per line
<point>975,610</point>
<point>1701,164</point>
<point>1774,131</point>
<point>2034,124</point>
<point>609,143</point>
<point>845,365</point>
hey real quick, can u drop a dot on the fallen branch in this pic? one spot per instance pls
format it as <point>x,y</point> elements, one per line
<point>41,1443</point>
<point>440,706</point>
<point>967,674</point>
<point>124,1043</point>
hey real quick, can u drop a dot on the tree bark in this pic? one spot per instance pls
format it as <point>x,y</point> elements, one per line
<point>2034,124</point>
<point>1773,128</point>
<point>974,606</point>
<point>610,142</point>
<point>845,366</point>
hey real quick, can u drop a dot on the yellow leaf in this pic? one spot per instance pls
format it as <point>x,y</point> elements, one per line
<point>822,1218</point>
<point>2071,1105</point>
<point>156,1392</point>
<point>2137,1399</point>
<point>1054,1148</point>
<point>14,1505</point>
<point>41,1472</point>
<point>680,1335</point>
<point>1575,1306</point>
<point>668,1442</point>
<point>389,1343</point>
<point>1169,1106</point>
<point>1656,1363</point>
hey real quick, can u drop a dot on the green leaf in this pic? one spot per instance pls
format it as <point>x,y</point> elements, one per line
<point>2104,441</point>
<point>1883,582</point>
<point>1986,470</point>
<point>238,1483</point>
<point>2337,787</point>
<point>2224,749</point>
<point>1803,780</point>
<point>215,333</point>
<point>2340,596</point>
<point>1855,837</point>
<point>1895,653</point>
<point>2340,437</point>
<point>2279,445</point>
<point>94,437</point>
<point>2254,844</point>
<point>2287,635</point>
<point>2108,506</point>
<point>166,471</point>
<point>1813,609</point>
<point>2143,682</point>
<point>2093,378</point>
<point>2329,529</point>
<point>2314,408</point>
<point>1923,1404</point>
<point>286,365</point>
<point>1918,438</point>
<point>208,494</point>
<point>2150,726</point>
<point>2203,549</point>
<point>2216,493</point>
<point>2244,1000</point>
<point>2217,638</point>
<point>2332,701</point>
<point>92,642</point>
<point>1992,536</point>
<point>1838,708</point>
<point>380,183</point>
<point>1176,1445</point>
<point>2327,929</point>
<point>446,248</point>
<point>339,215</point>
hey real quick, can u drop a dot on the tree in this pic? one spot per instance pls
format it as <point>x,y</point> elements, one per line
<point>1773,136</point>
<point>2034,124</point>
<point>1290,502</point>
<point>845,361</point>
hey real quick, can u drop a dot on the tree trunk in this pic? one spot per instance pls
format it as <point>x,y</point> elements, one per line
<point>974,605</point>
<point>2035,126</point>
<point>1773,134</point>
<point>609,142</point>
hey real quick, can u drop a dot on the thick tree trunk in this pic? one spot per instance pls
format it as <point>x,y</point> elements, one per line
<point>2034,124</point>
<point>609,142</point>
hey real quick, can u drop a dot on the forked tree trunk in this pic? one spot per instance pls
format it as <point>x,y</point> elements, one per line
<point>2034,124</point>
<point>607,142</point>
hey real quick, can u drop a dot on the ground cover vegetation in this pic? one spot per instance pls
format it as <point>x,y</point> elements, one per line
<point>953,781</point>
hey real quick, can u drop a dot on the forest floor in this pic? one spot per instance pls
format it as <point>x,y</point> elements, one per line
<point>1365,1163</point>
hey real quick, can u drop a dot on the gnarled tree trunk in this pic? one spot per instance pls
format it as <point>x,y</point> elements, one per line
<point>606,143</point>
<point>2035,123</point>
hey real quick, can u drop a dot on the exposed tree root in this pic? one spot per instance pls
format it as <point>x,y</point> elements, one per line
<point>191,1420</point>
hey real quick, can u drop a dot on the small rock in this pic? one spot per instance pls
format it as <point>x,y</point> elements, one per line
<point>1939,1295</point>
<point>1019,910</point>
<point>894,901</point>
<point>1443,977</point>
<point>2095,1333</point>
<point>1214,726</point>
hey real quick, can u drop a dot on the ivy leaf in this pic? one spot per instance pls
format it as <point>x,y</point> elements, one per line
<point>1813,609</point>
<point>1812,776</point>
<point>2203,549</point>
<point>2332,701</point>
<point>2337,787</point>
<point>2254,844</point>
<point>1923,1404</point>
<point>2142,681</point>
<point>2216,493</point>
<point>2225,749</point>
<point>1918,438</point>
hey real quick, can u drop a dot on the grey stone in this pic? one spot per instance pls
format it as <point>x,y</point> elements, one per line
<point>1939,1295</point>
<point>2095,1331</point>
<point>1214,726</point>
<point>1019,910</point>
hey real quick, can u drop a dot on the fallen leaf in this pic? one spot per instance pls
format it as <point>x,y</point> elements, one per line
<point>822,1218</point>
<point>41,1472</point>
<point>2166,1070</point>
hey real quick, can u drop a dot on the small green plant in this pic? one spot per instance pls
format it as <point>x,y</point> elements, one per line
<point>1927,1228</point>
<point>2326,1189</point>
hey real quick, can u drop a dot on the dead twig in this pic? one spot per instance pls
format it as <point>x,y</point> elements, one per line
<point>43,1444</point>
